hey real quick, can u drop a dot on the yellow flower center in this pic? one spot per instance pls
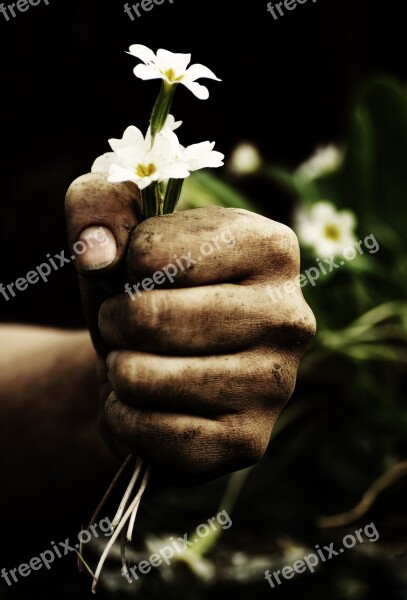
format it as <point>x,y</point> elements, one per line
<point>170,74</point>
<point>145,170</point>
<point>332,232</point>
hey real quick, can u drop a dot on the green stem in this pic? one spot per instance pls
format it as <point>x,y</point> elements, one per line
<point>161,108</point>
<point>235,484</point>
<point>151,200</point>
<point>172,195</point>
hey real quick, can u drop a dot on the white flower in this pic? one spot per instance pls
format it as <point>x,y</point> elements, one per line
<point>196,156</point>
<point>199,156</point>
<point>325,229</point>
<point>133,158</point>
<point>245,159</point>
<point>326,160</point>
<point>172,68</point>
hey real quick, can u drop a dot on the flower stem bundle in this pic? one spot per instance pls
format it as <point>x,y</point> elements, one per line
<point>158,164</point>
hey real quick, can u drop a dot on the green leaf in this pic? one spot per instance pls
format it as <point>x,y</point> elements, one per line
<point>204,189</point>
<point>375,174</point>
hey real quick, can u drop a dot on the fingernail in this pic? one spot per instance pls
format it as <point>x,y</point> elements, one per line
<point>97,248</point>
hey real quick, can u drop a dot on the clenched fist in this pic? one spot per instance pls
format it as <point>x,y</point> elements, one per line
<point>196,361</point>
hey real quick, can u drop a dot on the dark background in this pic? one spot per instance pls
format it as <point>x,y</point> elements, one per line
<point>67,86</point>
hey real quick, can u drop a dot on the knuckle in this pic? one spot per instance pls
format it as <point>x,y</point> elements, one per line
<point>253,447</point>
<point>249,443</point>
<point>286,235</point>
<point>295,322</point>
<point>287,246</point>
<point>300,331</point>
<point>138,319</point>
<point>274,241</point>
<point>305,324</point>
<point>281,382</point>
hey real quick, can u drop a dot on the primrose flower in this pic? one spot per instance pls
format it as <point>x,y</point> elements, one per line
<point>134,159</point>
<point>245,159</point>
<point>171,68</point>
<point>325,160</point>
<point>325,229</point>
<point>199,156</point>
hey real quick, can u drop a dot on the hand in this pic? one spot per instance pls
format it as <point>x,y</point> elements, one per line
<point>202,363</point>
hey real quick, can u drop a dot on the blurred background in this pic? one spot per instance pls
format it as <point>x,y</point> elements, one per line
<point>312,109</point>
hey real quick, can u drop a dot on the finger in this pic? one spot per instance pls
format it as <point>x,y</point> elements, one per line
<point>99,219</point>
<point>100,215</point>
<point>211,245</point>
<point>205,386</point>
<point>189,444</point>
<point>205,320</point>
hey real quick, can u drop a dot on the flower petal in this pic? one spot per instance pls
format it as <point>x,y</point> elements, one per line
<point>118,174</point>
<point>200,91</point>
<point>347,219</point>
<point>171,123</point>
<point>175,170</point>
<point>147,72</point>
<point>142,52</point>
<point>131,136</point>
<point>143,183</point>
<point>322,212</point>
<point>130,148</point>
<point>166,147</point>
<point>200,156</point>
<point>102,163</point>
<point>171,60</point>
<point>197,71</point>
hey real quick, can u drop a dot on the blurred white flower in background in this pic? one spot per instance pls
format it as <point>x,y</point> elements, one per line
<point>326,159</point>
<point>325,229</point>
<point>245,159</point>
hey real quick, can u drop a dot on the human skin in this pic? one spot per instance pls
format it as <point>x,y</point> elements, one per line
<point>197,369</point>
<point>52,452</point>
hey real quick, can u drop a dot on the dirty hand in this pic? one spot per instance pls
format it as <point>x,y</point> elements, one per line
<point>200,360</point>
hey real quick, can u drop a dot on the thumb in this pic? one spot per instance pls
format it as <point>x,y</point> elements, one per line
<point>100,217</point>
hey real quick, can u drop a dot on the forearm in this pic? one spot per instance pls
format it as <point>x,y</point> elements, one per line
<point>51,449</point>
